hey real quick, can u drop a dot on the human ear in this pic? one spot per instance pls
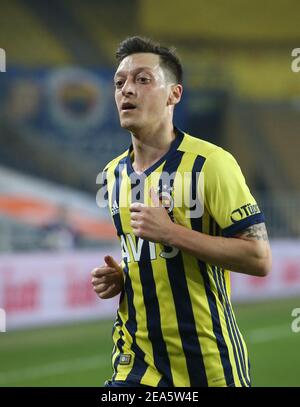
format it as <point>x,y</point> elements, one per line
<point>175,94</point>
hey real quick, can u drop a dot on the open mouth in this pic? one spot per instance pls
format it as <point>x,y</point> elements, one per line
<point>127,106</point>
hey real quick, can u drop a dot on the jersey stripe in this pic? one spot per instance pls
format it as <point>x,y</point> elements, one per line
<point>169,322</point>
<point>139,366</point>
<point>196,224</point>
<point>235,341</point>
<point>183,305</point>
<point>142,370</point>
<point>118,349</point>
<point>118,225</point>
<point>219,275</point>
<point>151,304</point>
<point>238,340</point>
<point>217,327</point>
<point>115,196</point>
<point>231,332</point>
<point>239,381</point>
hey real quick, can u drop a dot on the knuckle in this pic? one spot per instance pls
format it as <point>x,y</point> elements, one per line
<point>94,271</point>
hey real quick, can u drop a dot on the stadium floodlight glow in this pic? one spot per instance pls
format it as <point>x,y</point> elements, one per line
<point>2,60</point>
<point>2,320</point>
<point>296,62</point>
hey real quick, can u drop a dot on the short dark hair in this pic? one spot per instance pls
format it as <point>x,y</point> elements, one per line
<point>136,45</point>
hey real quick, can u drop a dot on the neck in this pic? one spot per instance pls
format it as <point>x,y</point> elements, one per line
<point>150,145</point>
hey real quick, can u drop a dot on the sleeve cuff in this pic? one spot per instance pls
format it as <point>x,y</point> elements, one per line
<point>243,224</point>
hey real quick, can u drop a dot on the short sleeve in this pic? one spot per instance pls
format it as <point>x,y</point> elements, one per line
<point>226,194</point>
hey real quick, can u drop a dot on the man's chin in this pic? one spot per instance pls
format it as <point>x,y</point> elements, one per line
<point>128,125</point>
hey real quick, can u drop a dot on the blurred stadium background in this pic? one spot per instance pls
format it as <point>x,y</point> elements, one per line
<point>59,127</point>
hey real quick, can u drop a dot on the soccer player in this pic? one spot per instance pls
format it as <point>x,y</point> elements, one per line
<point>175,325</point>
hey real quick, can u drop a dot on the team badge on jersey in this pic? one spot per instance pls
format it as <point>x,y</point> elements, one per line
<point>166,198</point>
<point>125,359</point>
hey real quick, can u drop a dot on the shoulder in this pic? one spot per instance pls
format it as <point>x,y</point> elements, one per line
<point>211,152</point>
<point>197,146</point>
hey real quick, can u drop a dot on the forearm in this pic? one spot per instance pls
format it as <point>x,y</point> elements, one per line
<point>235,254</point>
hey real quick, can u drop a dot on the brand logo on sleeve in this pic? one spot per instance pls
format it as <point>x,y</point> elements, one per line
<point>243,212</point>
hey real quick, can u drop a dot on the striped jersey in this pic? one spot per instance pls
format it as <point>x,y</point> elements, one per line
<point>175,325</point>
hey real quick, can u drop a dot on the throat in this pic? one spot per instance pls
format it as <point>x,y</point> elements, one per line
<point>145,154</point>
<point>139,169</point>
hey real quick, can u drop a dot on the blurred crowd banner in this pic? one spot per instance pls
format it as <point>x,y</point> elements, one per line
<point>283,281</point>
<point>42,288</point>
<point>66,103</point>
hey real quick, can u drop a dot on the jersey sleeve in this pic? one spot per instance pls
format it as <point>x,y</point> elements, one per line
<point>227,196</point>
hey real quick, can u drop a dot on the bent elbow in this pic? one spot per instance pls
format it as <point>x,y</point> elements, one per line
<point>263,271</point>
<point>265,266</point>
<point>263,257</point>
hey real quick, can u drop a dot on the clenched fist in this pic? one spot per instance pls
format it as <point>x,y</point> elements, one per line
<point>108,280</point>
<point>151,222</point>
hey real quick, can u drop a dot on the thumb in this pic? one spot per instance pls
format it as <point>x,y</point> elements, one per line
<point>154,198</point>
<point>111,262</point>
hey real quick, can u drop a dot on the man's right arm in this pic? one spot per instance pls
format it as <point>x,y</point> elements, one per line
<point>108,280</point>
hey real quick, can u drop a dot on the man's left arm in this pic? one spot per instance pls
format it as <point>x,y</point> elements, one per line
<point>243,246</point>
<point>247,252</point>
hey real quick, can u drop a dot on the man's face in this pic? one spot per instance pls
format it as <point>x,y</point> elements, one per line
<point>141,92</point>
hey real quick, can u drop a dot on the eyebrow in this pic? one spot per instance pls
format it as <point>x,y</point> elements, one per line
<point>141,68</point>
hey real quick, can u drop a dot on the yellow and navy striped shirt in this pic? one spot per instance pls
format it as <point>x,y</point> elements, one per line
<point>175,324</point>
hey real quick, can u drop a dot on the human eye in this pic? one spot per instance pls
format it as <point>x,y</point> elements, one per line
<point>118,83</point>
<point>144,79</point>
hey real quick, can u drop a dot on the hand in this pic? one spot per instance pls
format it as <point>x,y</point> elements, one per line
<point>151,222</point>
<point>108,280</point>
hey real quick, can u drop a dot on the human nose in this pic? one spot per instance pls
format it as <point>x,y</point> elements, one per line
<point>128,88</point>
